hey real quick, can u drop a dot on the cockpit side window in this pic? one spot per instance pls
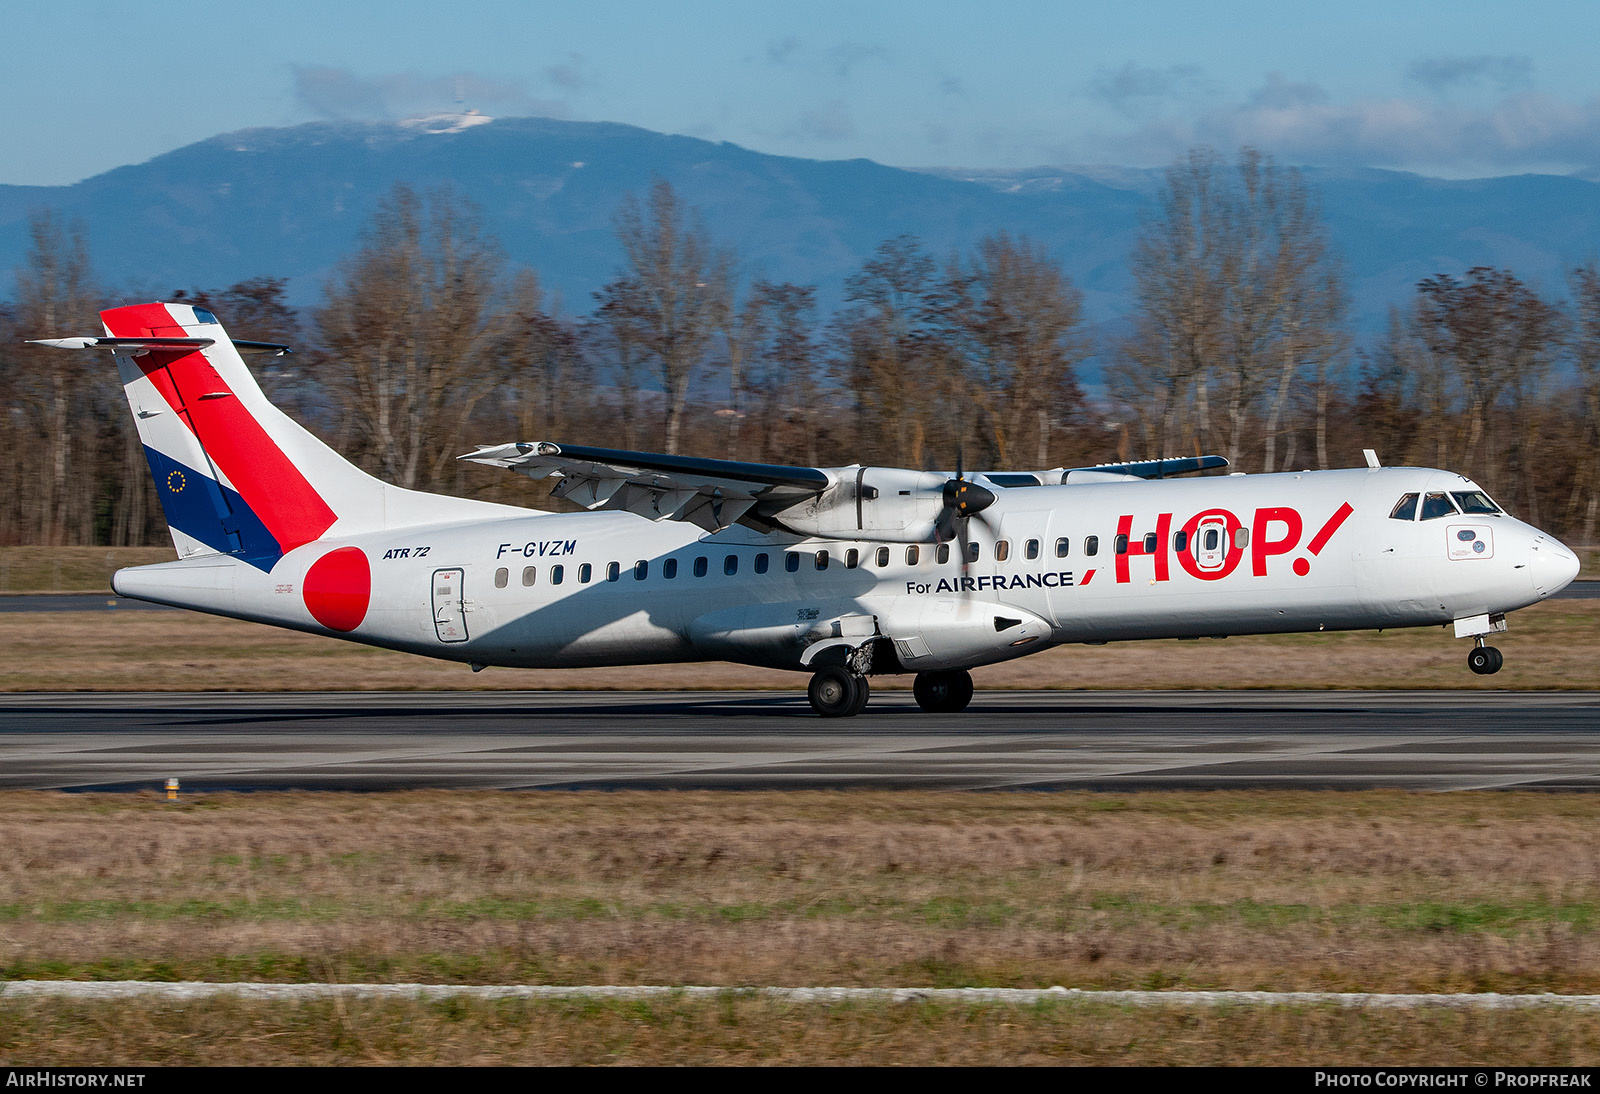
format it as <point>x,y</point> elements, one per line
<point>1435,506</point>
<point>1474,501</point>
<point>1405,508</point>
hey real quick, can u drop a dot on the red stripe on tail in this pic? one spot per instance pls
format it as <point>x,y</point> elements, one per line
<point>268,481</point>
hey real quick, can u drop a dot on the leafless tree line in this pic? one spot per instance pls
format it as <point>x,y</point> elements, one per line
<point>429,341</point>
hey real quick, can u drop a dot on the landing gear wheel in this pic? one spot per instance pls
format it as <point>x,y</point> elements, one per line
<point>1485,660</point>
<point>863,693</point>
<point>834,694</point>
<point>943,692</point>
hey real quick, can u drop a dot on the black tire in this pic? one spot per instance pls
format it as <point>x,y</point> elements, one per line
<point>1498,662</point>
<point>863,693</point>
<point>833,692</point>
<point>1482,660</point>
<point>943,692</point>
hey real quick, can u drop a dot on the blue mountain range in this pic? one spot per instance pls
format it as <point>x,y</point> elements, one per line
<point>291,202</point>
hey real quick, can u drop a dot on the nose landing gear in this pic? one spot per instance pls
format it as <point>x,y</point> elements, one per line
<point>1484,660</point>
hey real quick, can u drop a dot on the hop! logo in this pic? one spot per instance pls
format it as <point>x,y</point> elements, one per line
<point>176,482</point>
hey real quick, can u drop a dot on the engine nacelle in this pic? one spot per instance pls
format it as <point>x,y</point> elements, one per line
<point>889,504</point>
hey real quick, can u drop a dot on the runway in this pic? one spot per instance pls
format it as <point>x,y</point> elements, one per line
<point>766,740</point>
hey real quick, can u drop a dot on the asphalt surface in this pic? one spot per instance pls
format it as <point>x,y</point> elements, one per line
<point>764,740</point>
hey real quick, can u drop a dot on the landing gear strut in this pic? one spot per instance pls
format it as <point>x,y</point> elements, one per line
<point>943,692</point>
<point>836,692</point>
<point>1484,660</point>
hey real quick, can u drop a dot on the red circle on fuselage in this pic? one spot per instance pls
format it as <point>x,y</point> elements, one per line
<point>338,588</point>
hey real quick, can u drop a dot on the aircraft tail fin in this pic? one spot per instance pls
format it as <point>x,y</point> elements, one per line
<point>237,476</point>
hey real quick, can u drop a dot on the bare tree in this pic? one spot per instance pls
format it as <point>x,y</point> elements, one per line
<point>674,290</point>
<point>743,330</point>
<point>1584,283</point>
<point>412,325</point>
<point>1015,316</point>
<point>64,394</point>
<point>888,355</point>
<point>1239,295</point>
<point>783,374</point>
<point>1498,338</point>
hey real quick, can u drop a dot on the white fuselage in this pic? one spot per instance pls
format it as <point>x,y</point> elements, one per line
<point>1226,556</point>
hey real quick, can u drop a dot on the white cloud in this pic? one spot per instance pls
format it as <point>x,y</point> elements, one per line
<point>1504,73</point>
<point>1300,123</point>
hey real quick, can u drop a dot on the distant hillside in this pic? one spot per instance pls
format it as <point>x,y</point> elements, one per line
<point>290,202</point>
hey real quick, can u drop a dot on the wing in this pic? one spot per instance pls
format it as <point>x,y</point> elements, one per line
<point>712,494</point>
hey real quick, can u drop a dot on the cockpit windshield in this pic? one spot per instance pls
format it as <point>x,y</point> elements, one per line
<point>1438,505</point>
<point>203,316</point>
<point>1405,508</point>
<point>1474,501</point>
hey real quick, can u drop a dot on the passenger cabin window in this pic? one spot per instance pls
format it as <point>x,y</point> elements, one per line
<point>641,570</point>
<point>613,571</point>
<point>974,550</point>
<point>557,573</point>
<point>1180,541</point>
<point>502,577</point>
<point>1091,545</point>
<point>1031,551</point>
<point>1435,506</point>
<point>528,574</point>
<point>1063,545</point>
<point>1474,501</point>
<point>761,563</point>
<point>883,557</point>
<point>851,558</point>
<point>1213,539</point>
<point>1122,545</point>
<point>820,560</point>
<point>1241,538</point>
<point>669,569</point>
<point>585,572</point>
<point>1002,550</point>
<point>912,554</point>
<point>791,561</point>
<point>730,565</point>
<point>700,566</point>
<point>1405,508</point>
<point>942,555</point>
<point>1150,543</point>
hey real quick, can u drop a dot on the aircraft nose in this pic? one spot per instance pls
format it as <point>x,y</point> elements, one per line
<point>1551,565</point>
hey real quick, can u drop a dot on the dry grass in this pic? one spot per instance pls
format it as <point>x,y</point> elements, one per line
<point>71,569</point>
<point>1550,646</point>
<point>1299,890</point>
<point>751,1031</point>
<point>1360,891</point>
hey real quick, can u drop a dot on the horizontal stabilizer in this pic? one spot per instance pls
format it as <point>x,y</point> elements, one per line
<point>137,346</point>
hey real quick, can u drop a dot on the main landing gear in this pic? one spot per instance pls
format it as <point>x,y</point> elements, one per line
<point>1484,660</point>
<point>943,692</point>
<point>836,692</point>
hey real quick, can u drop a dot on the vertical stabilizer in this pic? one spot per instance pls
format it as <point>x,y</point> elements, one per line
<point>236,476</point>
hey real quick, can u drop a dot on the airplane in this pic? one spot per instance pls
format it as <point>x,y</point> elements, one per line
<point>845,573</point>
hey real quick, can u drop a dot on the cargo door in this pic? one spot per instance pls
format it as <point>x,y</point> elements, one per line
<point>449,610</point>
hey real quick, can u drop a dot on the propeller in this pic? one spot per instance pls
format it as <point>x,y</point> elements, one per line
<point>963,500</point>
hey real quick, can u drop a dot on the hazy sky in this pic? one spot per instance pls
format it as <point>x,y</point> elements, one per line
<point>1458,88</point>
